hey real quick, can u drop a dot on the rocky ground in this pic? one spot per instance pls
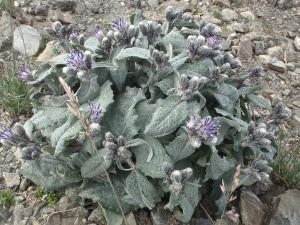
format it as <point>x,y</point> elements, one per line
<point>259,32</point>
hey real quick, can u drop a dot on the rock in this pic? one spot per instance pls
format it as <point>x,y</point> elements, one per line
<point>160,216</point>
<point>222,3</point>
<point>27,40</point>
<point>65,5</point>
<point>72,217</point>
<point>297,43</point>
<point>229,15</point>
<point>93,5</point>
<point>11,179</point>
<point>200,221</point>
<point>239,27</point>
<point>245,49</point>
<point>296,103</point>
<point>278,66</point>
<point>259,47</point>
<point>252,209</point>
<point>57,15</point>
<point>18,214</point>
<point>153,3</point>
<point>291,66</point>
<point>287,212</point>
<point>183,5</point>
<point>255,36</point>
<point>226,45</point>
<point>284,4</point>
<point>276,52</point>
<point>5,31</point>
<point>223,222</point>
<point>130,219</point>
<point>50,51</point>
<point>95,215</point>
<point>24,184</point>
<point>65,203</point>
<point>41,10</point>
<point>248,15</point>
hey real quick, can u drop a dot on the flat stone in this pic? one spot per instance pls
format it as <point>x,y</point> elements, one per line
<point>276,52</point>
<point>278,66</point>
<point>252,209</point>
<point>239,27</point>
<point>229,15</point>
<point>245,49</point>
<point>183,5</point>
<point>297,43</point>
<point>65,5</point>
<point>27,40</point>
<point>287,212</point>
<point>11,179</point>
<point>248,15</point>
<point>65,203</point>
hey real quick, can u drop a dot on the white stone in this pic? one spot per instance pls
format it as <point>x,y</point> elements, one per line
<point>229,15</point>
<point>297,43</point>
<point>248,15</point>
<point>11,179</point>
<point>27,40</point>
<point>153,3</point>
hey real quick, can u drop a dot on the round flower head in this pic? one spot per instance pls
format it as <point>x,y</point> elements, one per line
<point>97,33</point>
<point>76,61</point>
<point>214,42</point>
<point>208,128</point>
<point>120,24</point>
<point>95,111</point>
<point>6,134</point>
<point>24,73</point>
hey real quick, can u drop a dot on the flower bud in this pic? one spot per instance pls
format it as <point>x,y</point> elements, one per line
<point>81,39</point>
<point>56,26</point>
<point>19,130</point>
<point>95,128</point>
<point>187,173</point>
<point>167,168</point>
<point>143,28</point>
<point>194,83</point>
<point>176,176</point>
<point>121,140</point>
<point>82,75</point>
<point>109,137</point>
<point>110,35</point>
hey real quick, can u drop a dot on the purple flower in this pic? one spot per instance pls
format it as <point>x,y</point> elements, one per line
<point>120,24</point>
<point>6,134</point>
<point>208,127</point>
<point>214,41</point>
<point>200,130</point>
<point>76,61</point>
<point>24,73</point>
<point>97,33</point>
<point>95,111</point>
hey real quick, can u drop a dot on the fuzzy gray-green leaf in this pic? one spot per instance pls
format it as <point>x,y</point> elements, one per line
<point>169,115</point>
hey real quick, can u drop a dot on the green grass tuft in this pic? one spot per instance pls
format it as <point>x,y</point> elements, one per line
<point>6,198</point>
<point>52,198</point>
<point>14,94</point>
<point>286,167</point>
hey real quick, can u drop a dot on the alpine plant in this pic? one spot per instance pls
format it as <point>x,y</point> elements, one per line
<point>168,114</point>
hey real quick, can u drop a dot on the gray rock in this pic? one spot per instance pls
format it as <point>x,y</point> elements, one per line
<point>153,3</point>
<point>248,15</point>
<point>229,15</point>
<point>291,66</point>
<point>252,209</point>
<point>65,203</point>
<point>27,40</point>
<point>73,217</point>
<point>276,52</point>
<point>5,31</point>
<point>287,212</point>
<point>297,43</point>
<point>277,65</point>
<point>24,184</point>
<point>95,215</point>
<point>65,5</point>
<point>18,214</point>
<point>11,179</point>
<point>4,214</point>
<point>259,47</point>
<point>130,219</point>
<point>245,49</point>
<point>239,27</point>
<point>160,216</point>
<point>284,4</point>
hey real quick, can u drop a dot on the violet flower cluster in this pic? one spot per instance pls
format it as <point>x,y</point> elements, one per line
<point>125,34</point>
<point>202,130</point>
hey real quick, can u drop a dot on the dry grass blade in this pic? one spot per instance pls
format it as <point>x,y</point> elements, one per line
<point>73,104</point>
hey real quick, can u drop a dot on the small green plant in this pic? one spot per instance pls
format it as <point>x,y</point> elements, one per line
<point>39,193</point>
<point>52,198</point>
<point>286,166</point>
<point>14,94</point>
<point>45,40</point>
<point>6,198</point>
<point>6,4</point>
<point>217,13</point>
